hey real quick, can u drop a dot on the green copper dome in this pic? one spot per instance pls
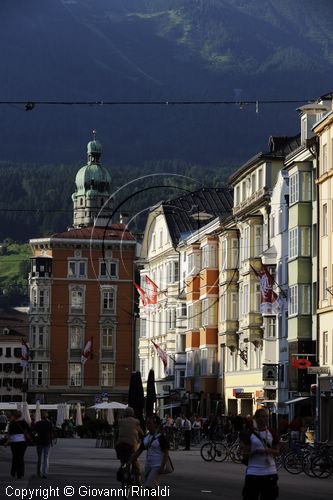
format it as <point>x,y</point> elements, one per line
<point>93,177</point>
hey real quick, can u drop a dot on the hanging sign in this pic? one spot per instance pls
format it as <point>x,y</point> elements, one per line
<point>301,363</point>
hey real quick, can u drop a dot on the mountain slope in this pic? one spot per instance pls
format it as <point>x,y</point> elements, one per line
<point>84,50</point>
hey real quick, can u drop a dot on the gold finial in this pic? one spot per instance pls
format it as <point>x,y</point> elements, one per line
<point>94,134</point>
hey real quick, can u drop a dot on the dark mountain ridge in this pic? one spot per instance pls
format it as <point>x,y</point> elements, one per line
<point>70,50</point>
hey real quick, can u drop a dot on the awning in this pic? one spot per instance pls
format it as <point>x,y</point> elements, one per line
<point>296,400</point>
<point>169,406</point>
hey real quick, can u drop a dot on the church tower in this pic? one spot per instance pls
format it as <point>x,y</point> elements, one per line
<point>93,189</point>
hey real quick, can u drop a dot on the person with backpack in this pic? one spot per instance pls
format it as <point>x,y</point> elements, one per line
<point>44,435</point>
<point>260,445</point>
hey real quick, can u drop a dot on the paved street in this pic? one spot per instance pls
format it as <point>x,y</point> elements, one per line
<point>77,462</point>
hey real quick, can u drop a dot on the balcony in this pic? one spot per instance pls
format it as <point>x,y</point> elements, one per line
<point>35,309</point>
<point>229,339</point>
<point>254,199</point>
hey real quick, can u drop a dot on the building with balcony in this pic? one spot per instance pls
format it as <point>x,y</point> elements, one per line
<point>251,237</point>
<point>324,131</point>
<point>169,259</point>
<point>14,328</point>
<point>81,289</point>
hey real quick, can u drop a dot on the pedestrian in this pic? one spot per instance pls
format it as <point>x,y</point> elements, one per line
<point>19,435</point>
<point>3,421</point>
<point>157,447</point>
<point>44,434</point>
<point>260,445</point>
<point>196,427</point>
<point>128,441</point>
<point>186,426</point>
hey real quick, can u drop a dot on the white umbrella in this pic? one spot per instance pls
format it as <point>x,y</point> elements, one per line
<point>78,419</point>
<point>110,416</point>
<point>60,414</point>
<point>25,413</point>
<point>38,416</point>
<point>112,405</point>
<point>66,411</point>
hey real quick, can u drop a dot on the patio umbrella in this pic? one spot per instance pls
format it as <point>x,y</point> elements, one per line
<point>37,412</point>
<point>151,393</point>
<point>25,412</point>
<point>110,405</point>
<point>66,411</point>
<point>60,415</point>
<point>135,395</point>
<point>78,418</point>
<point>110,416</point>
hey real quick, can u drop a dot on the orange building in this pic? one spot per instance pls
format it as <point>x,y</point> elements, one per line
<point>81,289</point>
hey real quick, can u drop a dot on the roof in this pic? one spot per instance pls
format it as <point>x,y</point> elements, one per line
<point>180,213</point>
<point>279,147</point>
<point>15,322</point>
<point>113,232</point>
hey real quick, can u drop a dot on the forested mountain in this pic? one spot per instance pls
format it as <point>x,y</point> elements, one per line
<point>148,50</point>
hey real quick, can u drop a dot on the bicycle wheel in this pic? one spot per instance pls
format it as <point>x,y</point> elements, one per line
<point>235,454</point>
<point>322,467</point>
<point>221,452</point>
<point>208,452</point>
<point>293,463</point>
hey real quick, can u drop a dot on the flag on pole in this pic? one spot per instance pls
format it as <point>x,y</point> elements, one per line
<point>270,301</point>
<point>151,292</point>
<point>142,294</point>
<point>87,351</point>
<point>163,357</point>
<point>25,353</point>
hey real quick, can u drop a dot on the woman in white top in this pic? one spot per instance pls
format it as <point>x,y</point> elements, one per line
<point>157,455</point>
<point>19,432</point>
<point>260,445</point>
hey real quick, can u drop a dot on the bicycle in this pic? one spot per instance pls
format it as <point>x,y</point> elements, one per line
<point>214,450</point>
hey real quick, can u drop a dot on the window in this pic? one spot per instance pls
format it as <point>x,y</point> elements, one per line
<point>75,374</point>
<point>107,337</point>
<point>108,269</point>
<point>234,253</point>
<point>37,337</point>
<point>293,300</point>
<point>237,197</point>
<point>306,181</point>
<point>257,297</point>
<point>76,337</point>
<point>77,269</point>
<point>161,239</point>
<point>208,256</point>
<point>234,306</point>
<point>77,299</point>
<point>106,375</point>
<point>223,255</point>
<point>108,300</point>
<point>243,190</point>
<point>324,160</point>
<point>189,364</point>
<point>305,241</point>
<point>325,348</point>
<point>143,369</point>
<point>208,361</point>
<point>325,283</point>
<point>253,183</point>
<point>293,242</point>
<point>208,316</point>
<point>172,271</point>
<point>154,242</point>
<point>272,225</point>
<point>181,379</point>
<point>183,309</point>
<point>271,330</point>
<point>257,241</point>
<point>293,188</point>
<point>260,178</point>
<point>38,374</point>
<point>305,299</point>
<point>143,327</point>
<point>246,243</point>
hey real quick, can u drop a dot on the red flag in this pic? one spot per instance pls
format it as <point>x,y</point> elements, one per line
<point>162,355</point>
<point>151,288</point>
<point>270,301</point>
<point>87,351</point>
<point>142,294</point>
<point>25,353</point>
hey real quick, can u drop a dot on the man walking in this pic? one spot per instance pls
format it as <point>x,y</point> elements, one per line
<point>44,430</point>
<point>187,432</point>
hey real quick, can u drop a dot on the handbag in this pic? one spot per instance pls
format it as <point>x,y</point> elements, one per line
<point>168,468</point>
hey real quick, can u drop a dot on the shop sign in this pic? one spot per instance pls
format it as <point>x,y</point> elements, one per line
<point>244,395</point>
<point>301,363</point>
<point>270,373</point>
<point>319,370</point>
